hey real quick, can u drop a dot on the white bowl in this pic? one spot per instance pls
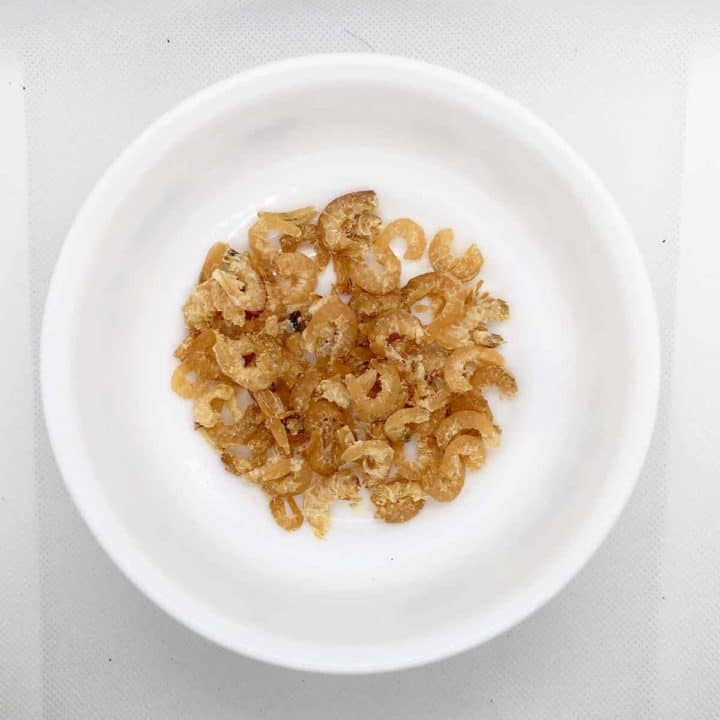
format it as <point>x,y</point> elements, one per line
<point>582,341</point>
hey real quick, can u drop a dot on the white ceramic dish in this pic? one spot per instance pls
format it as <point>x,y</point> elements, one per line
<point>438,147</point>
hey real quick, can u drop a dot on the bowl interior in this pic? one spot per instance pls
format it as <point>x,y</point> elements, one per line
<point>371,596</point>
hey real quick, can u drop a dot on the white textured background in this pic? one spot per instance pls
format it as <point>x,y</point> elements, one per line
<point>637,633</point>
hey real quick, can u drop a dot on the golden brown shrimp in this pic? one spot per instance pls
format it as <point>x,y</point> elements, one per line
<point>410,232</point>
<point>465,267</point>
<point>251,362</point>
<point>389,397</point>
<point>464,421</point>
<point>463,362</point>
<point>347,219</point>
<point>398,501</point>
<point>377,271</point>
<point>297,277</point>
<point>332,330</point>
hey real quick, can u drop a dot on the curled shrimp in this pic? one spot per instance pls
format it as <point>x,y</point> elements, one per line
<point>443,286</point>
<point>286,513</point>
<point>389,397</point>
<point>249,361</point>
<point>398,501</point>
<point>209,404</point>
<point>448,482</point>
<point>332,330</point>
<point>463,362</point>
<point>395,325</point>
<point>322,493</point>
<point>465,421</point>
<point>224,436</point>
<point>410,232</point>
<point>397,426</point>
<point>445,487</point>
<point>282,476</point>
<point>376,457</point>
<point>425,462</point>
<point>465,267</point>
<point>259,442</point>
<point>471,327</point>
<point>472,400</point>
<point>297,277</point>
<point>377,271</point>
<point>469,447</point>
<point>265,231</point>
<point>185,382</point>
<point>494,375</point>
<point>348,218</point>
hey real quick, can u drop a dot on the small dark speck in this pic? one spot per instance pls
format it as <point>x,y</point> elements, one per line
<point>23,88</point>
<point>168,41</point>
<point>109,659</point>
<point>297,321</point>
<point>664,240</point>
<point>491,700</point>
<point>663,597</point>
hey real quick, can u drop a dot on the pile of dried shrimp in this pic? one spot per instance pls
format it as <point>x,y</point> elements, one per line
<point>312,397</point>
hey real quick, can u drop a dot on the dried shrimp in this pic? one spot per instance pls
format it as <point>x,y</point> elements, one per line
<point>373,386</point>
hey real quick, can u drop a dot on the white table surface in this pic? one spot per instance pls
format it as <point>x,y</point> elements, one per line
<point>632,86</point>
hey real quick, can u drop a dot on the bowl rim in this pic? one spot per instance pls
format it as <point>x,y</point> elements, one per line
<point>56,357</point>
